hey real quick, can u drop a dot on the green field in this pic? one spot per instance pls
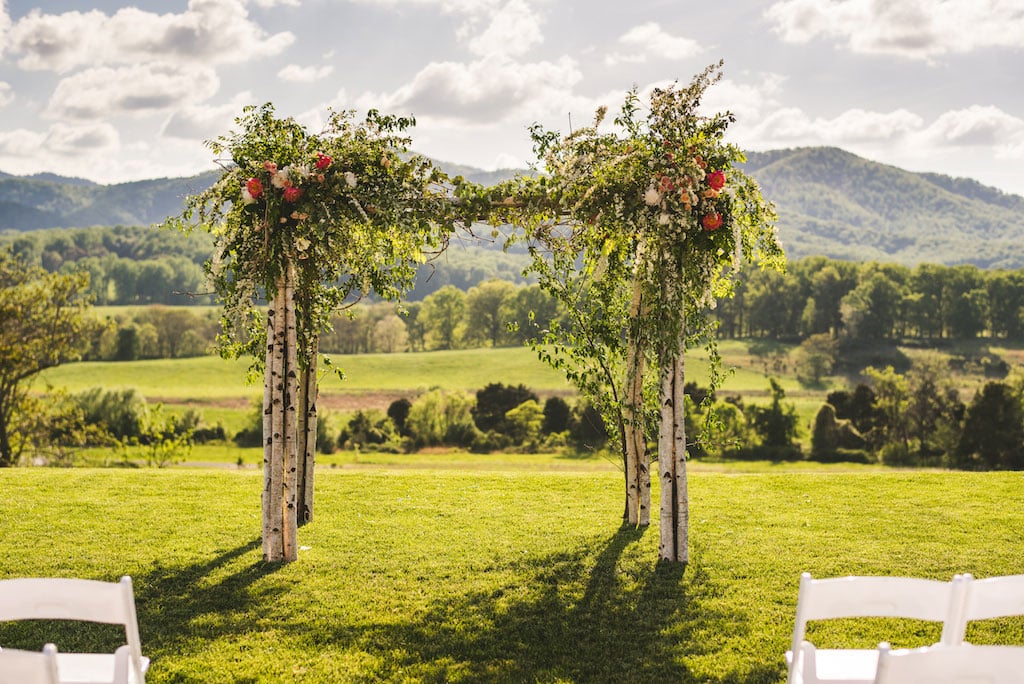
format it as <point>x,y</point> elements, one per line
<point>472,576</point>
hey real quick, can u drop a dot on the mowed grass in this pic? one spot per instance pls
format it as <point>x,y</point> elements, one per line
<point>211,378</point>
<point>470,576</point>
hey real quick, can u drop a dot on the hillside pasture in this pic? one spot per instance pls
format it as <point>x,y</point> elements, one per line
<point>472,576</point>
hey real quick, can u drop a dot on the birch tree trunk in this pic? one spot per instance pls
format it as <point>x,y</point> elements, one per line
<point>638,470</point>
<point>675,503</point>
<point>307,416</point>
<point>279,425</point>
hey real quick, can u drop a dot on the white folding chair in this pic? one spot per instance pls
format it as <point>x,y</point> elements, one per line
<point>29,667</point>
<point>852,597</point>
<point>86,601</point>
<point>941,664</point>
<point>985,599</point>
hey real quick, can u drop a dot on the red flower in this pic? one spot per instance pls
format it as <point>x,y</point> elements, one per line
<point>322,161</point>
<point>667,184</point>
<point>255,188</point>
<point>292,194</point>
<point>716,180</point>
<point>712,221</point>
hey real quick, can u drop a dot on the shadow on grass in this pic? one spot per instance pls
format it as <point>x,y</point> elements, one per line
<point>170,604</point>
<point>627,626</point>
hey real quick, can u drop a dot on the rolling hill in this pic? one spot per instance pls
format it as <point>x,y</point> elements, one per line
<point>830,202</point>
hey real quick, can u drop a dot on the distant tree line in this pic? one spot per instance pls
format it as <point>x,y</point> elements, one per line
<point>875,301</point>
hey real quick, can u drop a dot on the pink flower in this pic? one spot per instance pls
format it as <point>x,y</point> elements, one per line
<point>270,166</point>
<point>712,221</point>
<point>716,180</point>
<point>322,161</point>
<point>255,188</point>
<point>292,194</point>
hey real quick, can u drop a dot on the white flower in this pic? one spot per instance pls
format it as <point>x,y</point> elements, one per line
<point>652,197</point>
<point>301,244</point>
<point>280,179</point>
<point>350,179</point>
<point>302,170</point>
<point>247,197</point>
<point>664,218</point>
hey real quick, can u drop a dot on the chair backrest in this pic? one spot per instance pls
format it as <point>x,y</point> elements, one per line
<point>851,597</point>
<point>29,667</point>
<point>940,664</point>
<point>75,599</point>
<point>990,598</point>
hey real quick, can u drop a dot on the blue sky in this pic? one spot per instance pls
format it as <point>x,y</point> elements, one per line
<point>116,91</point>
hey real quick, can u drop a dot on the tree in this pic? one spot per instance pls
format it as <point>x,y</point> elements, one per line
<point>494,401</point>
<point>637,231</point>
<point>487,313</point>
<point>311,222</point>
<point>776,424</point>
<point>815,357</point>
<point>442,314</point>
<point>44,321</point>
<point>993,434</point>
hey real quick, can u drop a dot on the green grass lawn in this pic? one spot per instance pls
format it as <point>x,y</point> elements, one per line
<point>473,576</point>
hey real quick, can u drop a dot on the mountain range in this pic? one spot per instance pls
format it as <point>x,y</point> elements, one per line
<point>830,202</point>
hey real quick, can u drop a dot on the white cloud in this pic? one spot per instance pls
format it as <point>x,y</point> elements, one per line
<point>6,95</point>
<point>481,92</point>
<point>21,142</point>
<point>5,25</point>
<point>915,29</point>
<point>790,125</point>
<point>976,126</point>
<point>304,74</point>
<point>748,101</point>
<point>144,88</point>
<point>204,122</point>
<point>274,3</point>
<point>649,40</point>
<point>79,140</point>
<point>513,30</point>
<point>208,32</point>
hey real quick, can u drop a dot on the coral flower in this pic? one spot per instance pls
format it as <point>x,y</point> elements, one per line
<point>255,188</point>
<point>292,194</point>
<point>716,180</point>
<point>270,166</point>
<point>712,221</point>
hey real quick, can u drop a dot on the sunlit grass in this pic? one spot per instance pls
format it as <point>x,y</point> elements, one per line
<point>464,575</point>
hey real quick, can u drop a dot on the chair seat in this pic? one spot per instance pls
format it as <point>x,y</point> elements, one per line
<point>842,666</point>
<point>90,668</point>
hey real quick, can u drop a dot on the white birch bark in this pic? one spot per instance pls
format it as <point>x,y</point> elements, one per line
<point>307,417</point>
<point>675,505</point>
<point>634,438</point>
<point>273,450</point>
<point>289,488</point>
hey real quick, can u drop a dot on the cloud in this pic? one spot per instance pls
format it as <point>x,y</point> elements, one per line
<point>483,91</point>
<point>790,125</point>
<point>914,29</point>
<point>976,126</point>
<point>274,3</point>
<point>5,25</point>
<point>145,88</point>
<point>307,74</point>
<point>6,95</point>
<point>513,30</point>
<point>79,140</point>
<point>646,41</point>
<point>208,32</point>
<point>204,122</point>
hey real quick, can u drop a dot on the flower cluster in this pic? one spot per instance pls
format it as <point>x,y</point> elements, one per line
<point>683,190</point>
<point>288,194</point>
